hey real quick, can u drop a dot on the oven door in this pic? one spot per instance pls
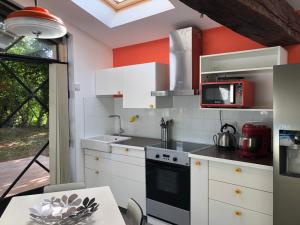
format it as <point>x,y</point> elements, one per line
<point>218,94</point>
<point>168,183</point>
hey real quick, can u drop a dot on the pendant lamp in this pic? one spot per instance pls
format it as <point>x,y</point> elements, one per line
<point>35,22</point>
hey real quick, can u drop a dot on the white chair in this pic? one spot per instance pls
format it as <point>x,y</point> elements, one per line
<point>134,213</point>
<point>63,187</point>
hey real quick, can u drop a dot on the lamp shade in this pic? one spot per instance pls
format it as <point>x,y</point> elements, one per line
<point>35,22</point>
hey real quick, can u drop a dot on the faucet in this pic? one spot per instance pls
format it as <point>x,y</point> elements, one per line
<point>121,130</point>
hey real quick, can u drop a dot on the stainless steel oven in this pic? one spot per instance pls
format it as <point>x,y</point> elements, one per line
<point>168,181</point>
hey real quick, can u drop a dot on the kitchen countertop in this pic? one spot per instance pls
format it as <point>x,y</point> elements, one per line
<point>232,157</point>
<point>140,142</point>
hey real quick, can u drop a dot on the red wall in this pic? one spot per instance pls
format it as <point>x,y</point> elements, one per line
<point>215,40</point>
<point>153,51</point>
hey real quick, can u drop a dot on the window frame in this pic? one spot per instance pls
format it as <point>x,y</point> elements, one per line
<point>123,5</point>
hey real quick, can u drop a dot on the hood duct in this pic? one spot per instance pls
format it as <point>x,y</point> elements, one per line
<point>185,50</point>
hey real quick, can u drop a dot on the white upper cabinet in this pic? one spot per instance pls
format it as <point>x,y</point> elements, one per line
<point>135,83</point>
<point>109,82</point>
<point>140,80</point>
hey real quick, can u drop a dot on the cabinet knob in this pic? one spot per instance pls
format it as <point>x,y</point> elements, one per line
<point>238,170</point>
<point>238,191</point>
<point>151,106</point>
<point>119,92</point>
<point>126,150</point>
<point>97,172</point>
<point>97,158</point>
<point>197,163</point>
<point>237,213</point>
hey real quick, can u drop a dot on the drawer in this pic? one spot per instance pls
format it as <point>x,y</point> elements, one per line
<point>97,163</point>
<point>128,152</point>
<point>128,159</point>
<point>224,214</point>
<point>123,189</point>
<point>102,155</point>
<point>240,175</point>
<point>248,198</point>
<point>96,178</point>
<point>128,171</point>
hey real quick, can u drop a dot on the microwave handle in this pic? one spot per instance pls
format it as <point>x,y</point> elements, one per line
<point>231,92</point>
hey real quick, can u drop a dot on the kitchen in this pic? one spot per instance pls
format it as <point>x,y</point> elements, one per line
<point>189,125</point>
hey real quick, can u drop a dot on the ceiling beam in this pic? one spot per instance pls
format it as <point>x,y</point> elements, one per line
<point>268,22</point>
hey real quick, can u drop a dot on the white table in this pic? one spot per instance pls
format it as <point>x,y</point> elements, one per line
<point>108,212</point>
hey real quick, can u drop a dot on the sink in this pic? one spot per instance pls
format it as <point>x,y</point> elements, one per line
<point>101,143</point>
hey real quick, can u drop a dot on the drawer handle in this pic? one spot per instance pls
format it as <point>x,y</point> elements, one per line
<point>238,191</point>
<point>198,163</point>
<point>237,213</point>
<point>119,92</point>
<point>97,158</point>
<point>97,172</point>
<point>238,170</point>
<point>151,106</point>
<point>126,150</point>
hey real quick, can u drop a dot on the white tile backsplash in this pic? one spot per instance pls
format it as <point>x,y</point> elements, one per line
<point>190,122</point>
<point>96,112</point>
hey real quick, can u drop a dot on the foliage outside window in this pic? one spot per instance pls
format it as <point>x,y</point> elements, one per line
<point>28,46</point>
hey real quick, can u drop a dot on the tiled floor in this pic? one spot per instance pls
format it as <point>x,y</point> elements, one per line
<point>33,178</point>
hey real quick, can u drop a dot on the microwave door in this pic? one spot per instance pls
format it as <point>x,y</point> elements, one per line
<point>232,94</point>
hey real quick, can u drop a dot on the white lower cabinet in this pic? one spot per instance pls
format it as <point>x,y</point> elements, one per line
<point>226,194</point>
<point>123,170</point>
<point>199,192</point>
<point>124,188</point>
<point>225,214</point>
<point>96,178</point>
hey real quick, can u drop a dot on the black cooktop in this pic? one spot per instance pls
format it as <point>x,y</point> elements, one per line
<point>180,146</point>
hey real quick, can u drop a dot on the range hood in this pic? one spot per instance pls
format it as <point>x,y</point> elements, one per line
<point>185,49</point>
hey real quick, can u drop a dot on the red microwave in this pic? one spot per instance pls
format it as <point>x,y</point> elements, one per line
<point>227,94</point>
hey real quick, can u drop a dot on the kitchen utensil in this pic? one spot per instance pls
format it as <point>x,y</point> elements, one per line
<point>165,130</point>
<point>225,140</point>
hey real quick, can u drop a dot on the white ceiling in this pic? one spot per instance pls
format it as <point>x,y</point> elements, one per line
<point>151,28</point>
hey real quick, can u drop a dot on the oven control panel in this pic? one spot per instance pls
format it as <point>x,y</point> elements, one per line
<point>169,156</point>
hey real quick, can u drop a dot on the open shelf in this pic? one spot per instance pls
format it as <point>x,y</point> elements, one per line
<point>237,70</point>
<point>241,109</point>
<point>258,59</point>
<point>252,65</point>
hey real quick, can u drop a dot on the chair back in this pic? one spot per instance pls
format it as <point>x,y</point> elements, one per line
<point>134,213</point>
<point>64,187</point>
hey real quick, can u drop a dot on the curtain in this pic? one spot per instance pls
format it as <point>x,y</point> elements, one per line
<point>58,124</point>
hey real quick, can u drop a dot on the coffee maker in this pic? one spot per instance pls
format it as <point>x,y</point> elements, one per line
<point>255,141</point>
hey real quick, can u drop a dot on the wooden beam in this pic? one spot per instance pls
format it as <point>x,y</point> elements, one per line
<point>268,22</point>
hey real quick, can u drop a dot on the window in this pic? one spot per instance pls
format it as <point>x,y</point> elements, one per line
<point>121,4</point>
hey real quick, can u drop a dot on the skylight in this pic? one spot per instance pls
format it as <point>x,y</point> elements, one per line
<point>115,13</point>
<point>122,4</point>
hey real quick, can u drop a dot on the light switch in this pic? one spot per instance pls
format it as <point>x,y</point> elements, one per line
<point>77,87</point>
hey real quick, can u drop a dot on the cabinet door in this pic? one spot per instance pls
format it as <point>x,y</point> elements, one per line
<point>199,192</point>
<point>109,82</point>
<point>139,81</point>
<point>124,189</point>
<point>96,178</point>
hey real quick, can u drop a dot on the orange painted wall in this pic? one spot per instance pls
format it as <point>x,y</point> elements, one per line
<point>215,40</point>
<point>153,51</point>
